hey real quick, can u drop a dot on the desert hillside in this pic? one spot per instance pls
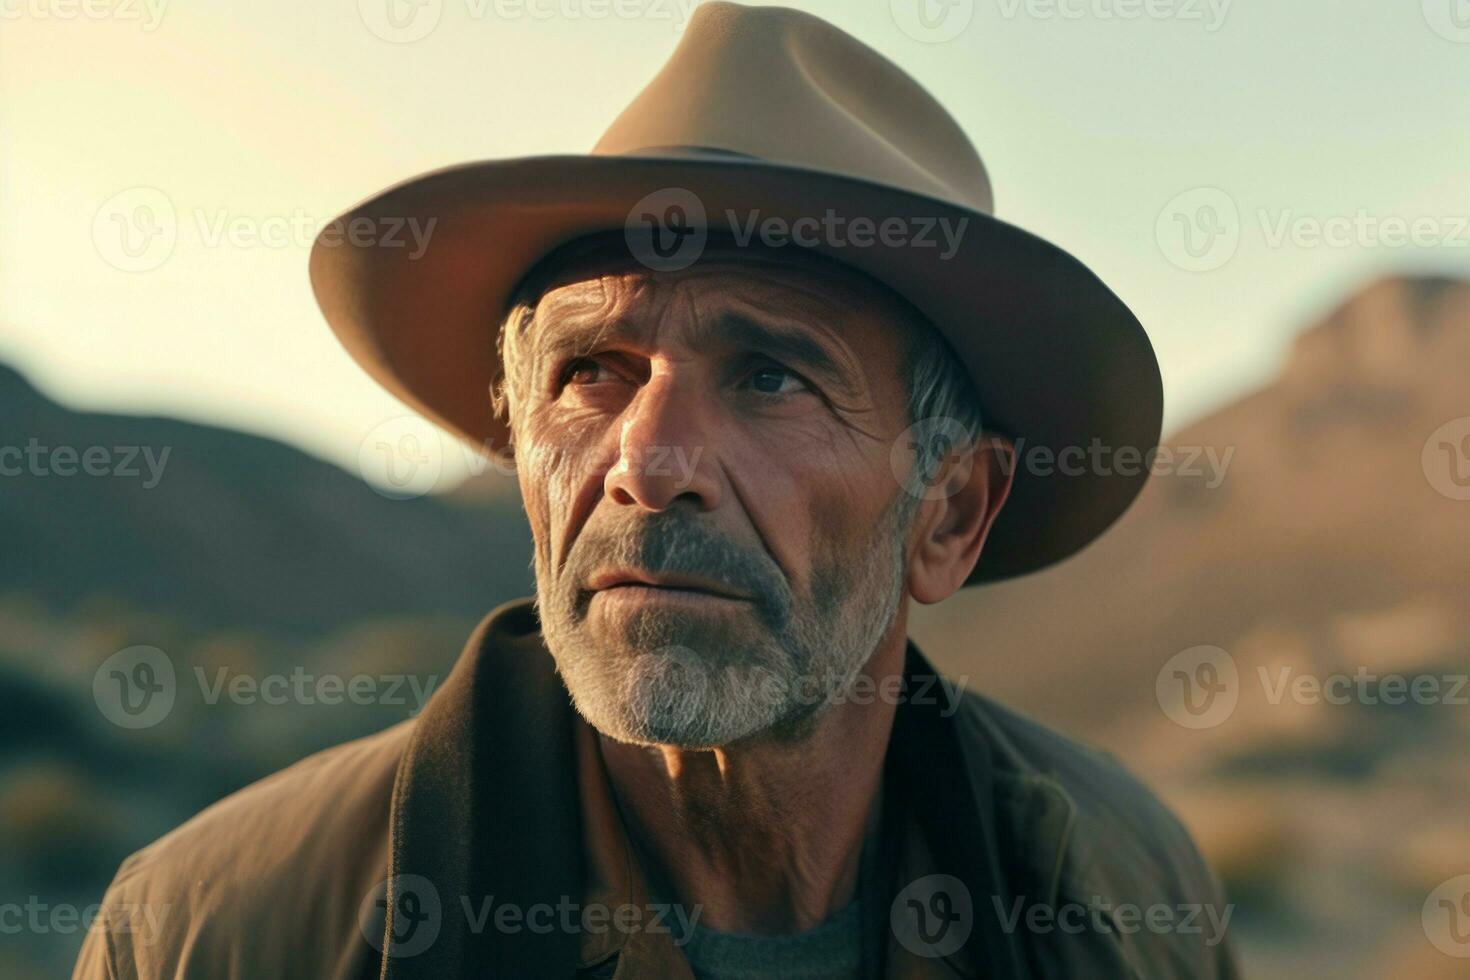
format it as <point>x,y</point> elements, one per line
<point>1337,545</point>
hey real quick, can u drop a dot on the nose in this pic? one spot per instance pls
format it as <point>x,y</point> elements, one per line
<point>666,447</point>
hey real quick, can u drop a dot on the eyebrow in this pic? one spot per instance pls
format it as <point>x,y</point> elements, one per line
<point>792,346</point>
<point>789,345</point>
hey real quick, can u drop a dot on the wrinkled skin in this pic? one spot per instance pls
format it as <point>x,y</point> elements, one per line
<point>673,450</point>
<point>656,437</point>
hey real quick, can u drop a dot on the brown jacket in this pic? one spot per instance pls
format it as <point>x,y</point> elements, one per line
<point>480,840</point>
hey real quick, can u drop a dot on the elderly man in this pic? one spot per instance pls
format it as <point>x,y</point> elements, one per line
<point>763,361</point>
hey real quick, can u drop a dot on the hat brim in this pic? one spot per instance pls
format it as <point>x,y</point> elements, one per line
<point>1059,362</point>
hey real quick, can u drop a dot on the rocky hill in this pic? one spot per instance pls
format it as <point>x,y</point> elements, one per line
<point>222,529</point>
<point>1336,546</point>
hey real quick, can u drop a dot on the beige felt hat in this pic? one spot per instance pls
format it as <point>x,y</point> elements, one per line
<point>768,113</point>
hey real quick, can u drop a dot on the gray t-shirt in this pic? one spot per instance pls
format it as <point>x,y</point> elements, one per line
<point>834,950</point>
<point>830,951</point>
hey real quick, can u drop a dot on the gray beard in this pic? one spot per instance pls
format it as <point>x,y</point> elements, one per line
<point>666,677</point>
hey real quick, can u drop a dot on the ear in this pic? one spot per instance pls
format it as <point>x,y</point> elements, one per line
<point>955,518</point>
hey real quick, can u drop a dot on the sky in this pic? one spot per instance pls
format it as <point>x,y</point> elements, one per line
<point>1231,168</point>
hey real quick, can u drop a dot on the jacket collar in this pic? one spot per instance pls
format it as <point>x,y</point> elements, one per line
<point>501,779</point>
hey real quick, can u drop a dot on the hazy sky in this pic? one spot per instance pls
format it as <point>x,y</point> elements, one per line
<point>1295,142</point>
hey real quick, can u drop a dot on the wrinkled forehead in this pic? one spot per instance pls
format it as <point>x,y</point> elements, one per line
<point>600,279</point>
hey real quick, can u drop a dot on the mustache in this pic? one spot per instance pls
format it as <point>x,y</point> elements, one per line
<point>672,542</point>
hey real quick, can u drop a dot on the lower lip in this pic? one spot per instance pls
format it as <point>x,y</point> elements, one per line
<point>654,594</point>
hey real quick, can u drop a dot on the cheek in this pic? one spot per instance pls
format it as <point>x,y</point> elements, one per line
<point>554,470</point>
<point>818,507</point>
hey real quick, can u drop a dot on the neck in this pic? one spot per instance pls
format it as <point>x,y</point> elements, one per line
<point>765,836</point>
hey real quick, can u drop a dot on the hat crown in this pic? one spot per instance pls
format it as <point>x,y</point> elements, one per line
<point>789,88</point>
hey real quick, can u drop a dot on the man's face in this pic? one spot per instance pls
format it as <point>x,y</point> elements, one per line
<point>705,462</point>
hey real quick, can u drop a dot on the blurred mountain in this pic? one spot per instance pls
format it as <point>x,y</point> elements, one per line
<point>1317,527</point>
<point>1319,518</point>
<point>1327,544</point>
<point>226,529</point>
<point>230,553</point>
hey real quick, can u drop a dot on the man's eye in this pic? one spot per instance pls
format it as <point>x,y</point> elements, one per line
<point>774,380</point>
<point>582,370</point>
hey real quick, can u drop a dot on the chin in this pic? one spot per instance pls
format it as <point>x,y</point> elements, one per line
<point>656,700</point>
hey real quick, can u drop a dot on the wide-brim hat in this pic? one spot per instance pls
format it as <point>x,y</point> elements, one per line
<point>771,118</point>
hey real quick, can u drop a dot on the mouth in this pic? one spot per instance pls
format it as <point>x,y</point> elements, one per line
<point>634,584</point>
